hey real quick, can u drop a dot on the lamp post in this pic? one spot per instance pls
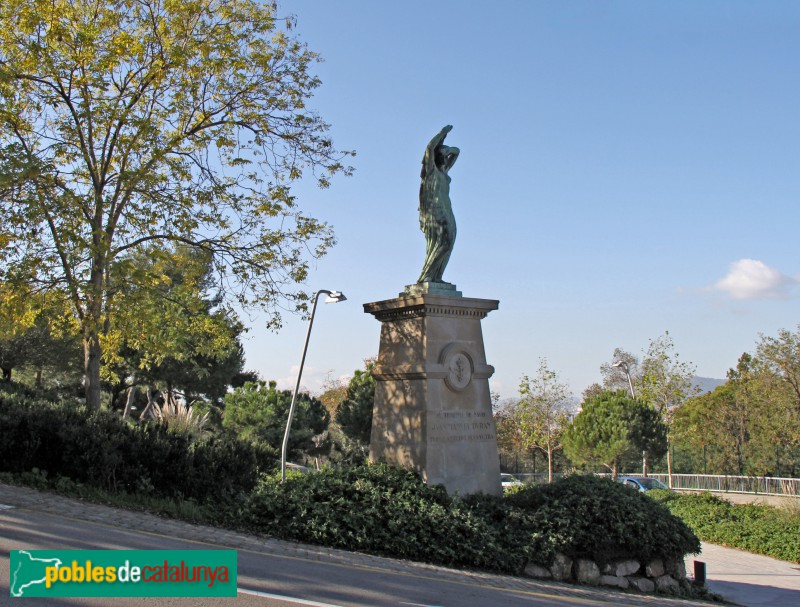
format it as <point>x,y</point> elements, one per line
<point>621,364</point>
<point>333,297</point>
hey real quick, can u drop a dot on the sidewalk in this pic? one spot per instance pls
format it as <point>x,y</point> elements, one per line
<point>749,579</point>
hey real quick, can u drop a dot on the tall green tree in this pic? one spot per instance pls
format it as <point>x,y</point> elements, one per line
<point>258,412</point>
<point>648,432</point>
<point>542,412</point>
<point>354,415</point>
<point>600,433</point>
<point>128,122</point>
<point>745,426</point>
<point>612,426</point>
<point>779,358</point>
<point>168,329</point>
<point>718,422</point>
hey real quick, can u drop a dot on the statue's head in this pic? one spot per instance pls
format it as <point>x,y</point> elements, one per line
<point>446,157</point>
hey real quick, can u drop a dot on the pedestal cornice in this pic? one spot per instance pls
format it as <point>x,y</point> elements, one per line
<point>430,305</point>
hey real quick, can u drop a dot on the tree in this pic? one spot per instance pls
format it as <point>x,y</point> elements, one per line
<point>619,374</point>
<point>542,412</point>
<point>258,412</point>
<point>695,428</point>
<point>599,434</point>
<point>35,331</point>
<point>778,367</point>
<point>510,441</point>
<point>132,122</point>
<point>716,420</point>
<point>334,391</point>
<point>780,358</point>
<point>168,328</point>
<point>665,382</point>
<point>18,315</point>
<point>648,433</point>
<point>744,426</point>
<point>592,391</point>
<point>737,406</point>
<point>354,415</point>
<point>611,426</point>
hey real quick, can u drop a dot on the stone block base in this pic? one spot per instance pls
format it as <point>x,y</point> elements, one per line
<point>433,410</point>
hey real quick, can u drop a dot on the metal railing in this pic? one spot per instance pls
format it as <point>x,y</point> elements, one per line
<point>537,478</point>
<point>759,485</point>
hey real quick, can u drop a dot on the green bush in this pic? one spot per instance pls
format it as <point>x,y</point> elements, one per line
<point>384,510</point>
<point>590,517</point>
<point>102,450</point>
<point>756,528</point>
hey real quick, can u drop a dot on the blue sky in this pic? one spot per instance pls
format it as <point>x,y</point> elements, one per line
<point>626,169</point>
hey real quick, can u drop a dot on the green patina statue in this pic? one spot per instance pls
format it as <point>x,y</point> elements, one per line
<point>436,218</point>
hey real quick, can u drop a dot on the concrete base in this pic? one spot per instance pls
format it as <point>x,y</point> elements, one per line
<point>433,410</point>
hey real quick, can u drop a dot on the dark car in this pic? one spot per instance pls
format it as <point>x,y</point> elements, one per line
<point>642,483</point>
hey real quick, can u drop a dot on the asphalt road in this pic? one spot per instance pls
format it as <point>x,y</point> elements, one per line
<point>262,577</point>
<point>305,577</point>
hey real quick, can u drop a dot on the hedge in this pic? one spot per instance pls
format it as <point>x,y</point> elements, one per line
<point>102,450</point>
<point>756,528</point>
<point>384,510</point>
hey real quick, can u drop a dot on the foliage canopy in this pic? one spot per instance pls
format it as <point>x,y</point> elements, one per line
<point>258,412</point>
<point>612,425</point>
<point>542,412</point>
<point>133,122</point>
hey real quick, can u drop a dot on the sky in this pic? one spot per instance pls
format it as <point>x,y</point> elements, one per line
<point>627,168</point>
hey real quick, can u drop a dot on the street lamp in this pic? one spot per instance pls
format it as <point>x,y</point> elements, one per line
<point>621,364</point>
<point>332,297</point>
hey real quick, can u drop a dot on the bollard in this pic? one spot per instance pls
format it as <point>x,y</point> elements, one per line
<point>699,573</point>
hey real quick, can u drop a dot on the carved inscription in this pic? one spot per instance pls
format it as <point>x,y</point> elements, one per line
<point>460,427</point>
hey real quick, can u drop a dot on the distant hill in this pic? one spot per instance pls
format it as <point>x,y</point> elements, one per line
<point>707,384</point>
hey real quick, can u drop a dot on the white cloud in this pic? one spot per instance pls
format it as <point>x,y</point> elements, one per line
<point>753,279</point>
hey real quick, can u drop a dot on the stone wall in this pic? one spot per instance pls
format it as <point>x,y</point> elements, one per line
<point>657,575</point>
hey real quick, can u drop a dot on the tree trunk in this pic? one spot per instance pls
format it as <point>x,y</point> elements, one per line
<point>549,465</point>
<point>92,357</point>
<point>669,462</point>
<point>149,407</point>
<point>129,401</point>
<point>7,374</point>
<point>644,463</point>
<point>92,323</point>
<point>38,377</point>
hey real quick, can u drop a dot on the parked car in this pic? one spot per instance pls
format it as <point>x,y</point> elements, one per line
<point>509,480</point>
<point>642,483</point>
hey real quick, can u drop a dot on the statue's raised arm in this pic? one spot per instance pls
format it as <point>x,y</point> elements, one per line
<point>436,218</point>
<point>429,159</point>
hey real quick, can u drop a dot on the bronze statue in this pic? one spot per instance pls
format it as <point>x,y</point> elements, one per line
<point>436,218</point>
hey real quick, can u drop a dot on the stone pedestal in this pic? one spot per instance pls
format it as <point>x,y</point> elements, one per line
<point>433,411</point>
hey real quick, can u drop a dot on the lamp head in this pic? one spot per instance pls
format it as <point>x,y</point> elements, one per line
<point>335,297</point>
